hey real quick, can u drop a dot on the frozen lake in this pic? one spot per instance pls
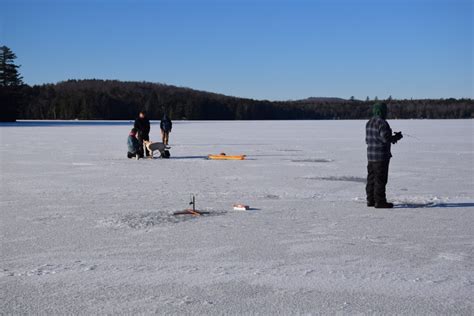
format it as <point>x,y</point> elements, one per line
<point>85,230</point>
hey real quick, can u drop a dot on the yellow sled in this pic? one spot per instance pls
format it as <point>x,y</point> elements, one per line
<point>225,157</point>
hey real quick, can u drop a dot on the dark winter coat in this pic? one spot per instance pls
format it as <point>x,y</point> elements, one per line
<point>143,126</point>
<point>378,136</point>
<point>166,125</point>
<point>133,144</point>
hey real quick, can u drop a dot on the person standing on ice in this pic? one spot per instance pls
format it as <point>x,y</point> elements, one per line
<point>134,146</point>
<point>379,137</point>
<point>142,124</point>
<point>166,125</point>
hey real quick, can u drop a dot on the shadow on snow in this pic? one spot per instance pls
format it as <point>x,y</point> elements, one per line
<point>433,205</point>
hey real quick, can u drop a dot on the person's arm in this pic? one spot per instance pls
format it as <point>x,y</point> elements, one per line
<point>135,125</point>
<point>387,136</point>
<point>367,133</point>
<point>385,132</point>
<point>171,125</point>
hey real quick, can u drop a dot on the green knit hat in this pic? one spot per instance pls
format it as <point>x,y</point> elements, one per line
<point>380,109</point>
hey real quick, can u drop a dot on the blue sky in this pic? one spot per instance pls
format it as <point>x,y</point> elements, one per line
<point>260,49</point>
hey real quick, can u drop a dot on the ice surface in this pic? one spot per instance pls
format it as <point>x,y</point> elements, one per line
<point>85,230</point>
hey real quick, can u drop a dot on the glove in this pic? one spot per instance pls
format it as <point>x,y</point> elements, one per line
<point>396,137</point>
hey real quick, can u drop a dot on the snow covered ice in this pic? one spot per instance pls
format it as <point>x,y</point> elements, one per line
<point>85,230</point>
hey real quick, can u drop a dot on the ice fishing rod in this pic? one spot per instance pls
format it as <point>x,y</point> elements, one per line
<point>408,135</point>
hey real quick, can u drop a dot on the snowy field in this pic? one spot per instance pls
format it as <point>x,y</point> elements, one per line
<point>86,231</point>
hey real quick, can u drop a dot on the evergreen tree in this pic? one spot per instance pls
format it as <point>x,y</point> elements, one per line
<point>9,75</point>
<point>10,86</point>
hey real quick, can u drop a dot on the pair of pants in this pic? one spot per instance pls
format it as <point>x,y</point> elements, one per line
<point>165,136</point>
<point>377,177</point>
<point>141,138</point>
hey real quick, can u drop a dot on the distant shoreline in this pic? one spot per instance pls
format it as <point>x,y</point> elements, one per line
<point>116,100</point>
<point>51,123</point>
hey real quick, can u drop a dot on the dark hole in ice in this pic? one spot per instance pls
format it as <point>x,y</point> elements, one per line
<point>290,150</point>
<point>313,160</point>
<point>342,178</point>
<point>271,197</point>
<point>152,219</point>
<point>433,205</point>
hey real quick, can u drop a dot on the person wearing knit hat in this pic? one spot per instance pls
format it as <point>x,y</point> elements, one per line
<point>379,138</point>
<point>134,148</point>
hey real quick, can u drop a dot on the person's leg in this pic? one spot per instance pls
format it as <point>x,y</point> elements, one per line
<point>139,151</point>
<point>147,138</point>
<point>163,136</point>
<point>140,141</point>
<point>369,188</point>
<point>381,179</point>
<point>167,137</point>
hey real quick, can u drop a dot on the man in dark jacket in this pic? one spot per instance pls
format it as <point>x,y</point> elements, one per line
<point>135,149</point>
<point>142,124</point>
<point>166,125</point>
<point>379,138</point>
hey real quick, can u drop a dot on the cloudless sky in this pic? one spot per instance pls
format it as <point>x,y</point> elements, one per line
<point>278,50</point>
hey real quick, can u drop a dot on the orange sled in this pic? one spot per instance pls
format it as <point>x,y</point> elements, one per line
<point>225,157</point>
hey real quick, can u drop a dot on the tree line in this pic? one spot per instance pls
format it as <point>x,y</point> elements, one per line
<point>117,100</point>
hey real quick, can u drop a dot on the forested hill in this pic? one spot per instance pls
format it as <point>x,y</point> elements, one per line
<point>116,100</point>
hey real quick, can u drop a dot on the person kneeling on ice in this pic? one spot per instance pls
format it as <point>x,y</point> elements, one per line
<point>135,150</point>
<point>379,137</point>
